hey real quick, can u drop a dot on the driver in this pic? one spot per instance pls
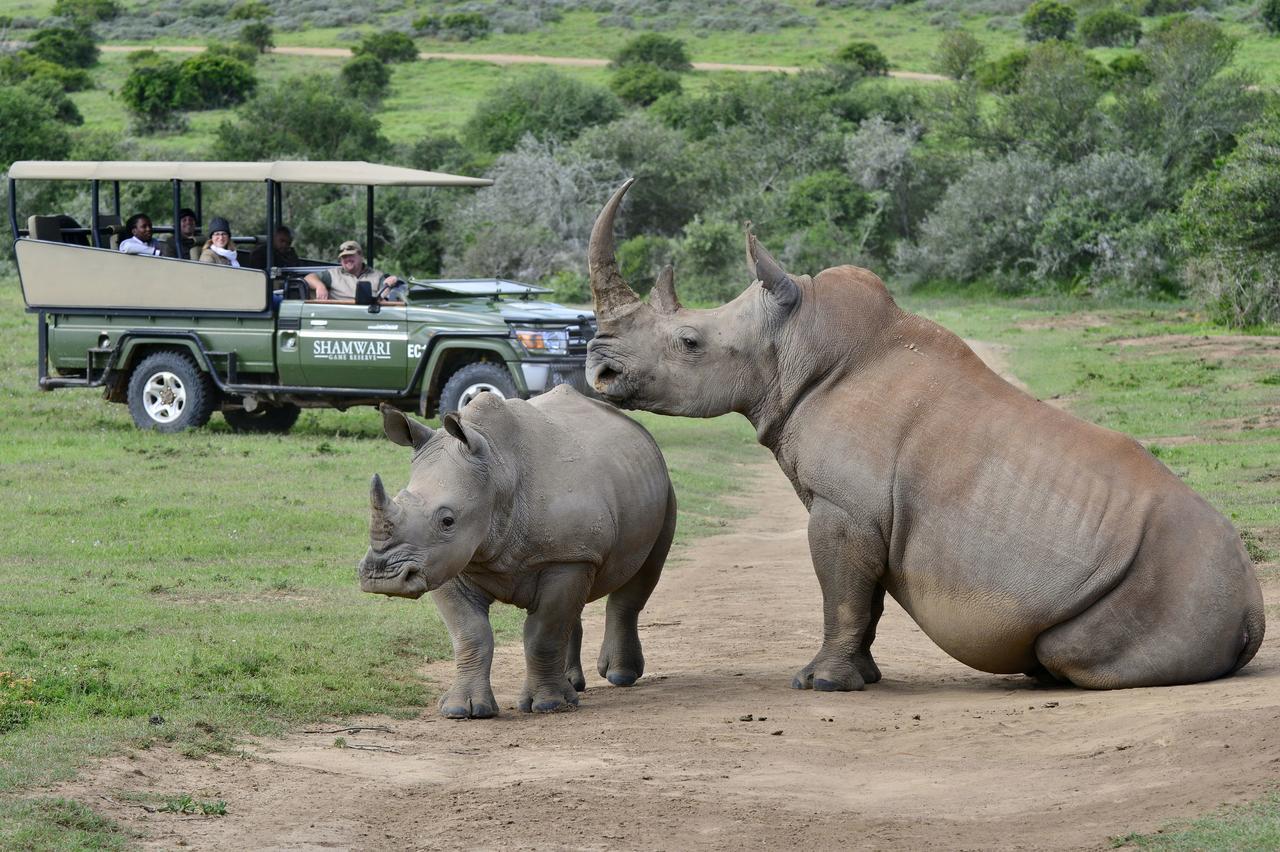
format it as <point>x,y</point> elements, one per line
<point>340,282</point>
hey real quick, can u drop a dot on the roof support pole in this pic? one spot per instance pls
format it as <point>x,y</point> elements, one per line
<point>177,206</point>
<point>368,226</point>
<point>271,228</point>
<point>199,204</point>
<point>13,206</point>
<point>93,214</point>
<point>115,194</point>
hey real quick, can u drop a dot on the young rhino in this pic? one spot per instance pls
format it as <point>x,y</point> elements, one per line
<point>546,504</point>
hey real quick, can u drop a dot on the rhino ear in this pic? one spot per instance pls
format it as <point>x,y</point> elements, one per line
<point>770,274</point>
<point>470,438</point>
<point>663,296</point>
<point>402,429</point>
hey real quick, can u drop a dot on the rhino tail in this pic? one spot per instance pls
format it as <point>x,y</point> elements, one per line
<point>1255,627</point>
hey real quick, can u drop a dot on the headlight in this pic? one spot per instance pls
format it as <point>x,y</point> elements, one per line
<point>543,341</point>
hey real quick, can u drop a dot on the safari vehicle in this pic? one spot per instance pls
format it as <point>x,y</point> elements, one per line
<point>176,339</point>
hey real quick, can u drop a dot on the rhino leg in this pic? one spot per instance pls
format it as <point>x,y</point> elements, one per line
<point>848,558</point>
<point>621,660</point>
<point>562,592</point>
<point>465,612</point>
<point>573,660</point>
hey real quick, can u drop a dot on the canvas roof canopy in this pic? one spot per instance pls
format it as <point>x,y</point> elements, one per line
<point>345,172</point>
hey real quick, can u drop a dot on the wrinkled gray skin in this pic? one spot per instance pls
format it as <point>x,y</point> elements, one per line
<point>1018,537</point>
<point>546,504</point>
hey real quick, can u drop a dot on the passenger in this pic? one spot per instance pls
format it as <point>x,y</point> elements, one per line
<point>187,227</point>
<point>141,241</point>
<point>340,282</point>
<point>219,248</point>
<point>284,253</point>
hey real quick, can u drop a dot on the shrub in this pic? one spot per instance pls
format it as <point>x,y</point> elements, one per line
<point>709,258</point>
<point>309,119</point>
<point>547,105</point>
<point>642,84</point>
<point>214,80</point>
<point>72,47</point>
<point>1270,13</point>
<point>87,10</point>
<point>1130,68</point>
<point>249,10</point>
<point>258,35</point>
<point>863,56</point>
<point>1048,19</point>
<point>366,78</point>
<point>958,55</point>
<point>464,26</point>
<point>387,46</point>
<point>654,49</point>
<point>15,68</point>
<point>1055,108</point>
<point>51,92</point>
<point>151,93</point>
<point>1238,205</point>
<point>43,137</point>
<point>245,53</point>
<point>826,196</point>
<point>641,258</point>
<point>1153,8</point>
<point>1003,75</point>
<point>1110,28</point>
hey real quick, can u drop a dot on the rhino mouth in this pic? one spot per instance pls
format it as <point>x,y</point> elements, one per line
<point>403,580</point>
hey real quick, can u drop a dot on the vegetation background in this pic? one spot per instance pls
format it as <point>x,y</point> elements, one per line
<point>1097,171</point>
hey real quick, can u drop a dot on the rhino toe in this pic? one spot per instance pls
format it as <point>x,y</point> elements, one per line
<point>622,677</point>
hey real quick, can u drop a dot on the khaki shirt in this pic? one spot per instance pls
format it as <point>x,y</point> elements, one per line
<point>342,285</point>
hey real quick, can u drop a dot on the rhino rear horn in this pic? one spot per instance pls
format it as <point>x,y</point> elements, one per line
<point>402,429</point>
<point>770,273</point>
<point>663,296</point>
<point>610,292</point>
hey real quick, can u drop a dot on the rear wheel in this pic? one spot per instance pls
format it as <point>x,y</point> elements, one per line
<point>264,418</point>
<point>169,393</point>
<point>471,381</point>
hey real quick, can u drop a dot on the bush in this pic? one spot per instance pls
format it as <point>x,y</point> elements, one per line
<point>1238,205</point>
<point>863,56</point>
<point>1055,108</point>
<point>387,46</point>
<point>15,68</point>
<point>1003,75</point>
<point>245,53</point>
<point>366,78</point>
<point>654,49</point>
<point>1110,28</point>
<point>73,48</point>
<point>249,10</point>
<point>1048,19</point>
<point>464,26</point>
<point>86,10</point>
<point>641,258</point>
<point>958,55</point>
<point>258,35</point>
<point>43,137</point>
<point>1153,8</point>
<point>1270,13</point>
<point>309,118</point>
<point>709,258</point>
<point>547,105</point>
<point>151,93</point>
<point>51,92</point>
<point>1130,68</point>
<point>642,84</point>
<point>212,81</point>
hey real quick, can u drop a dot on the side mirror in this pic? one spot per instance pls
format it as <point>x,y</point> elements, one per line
<point>364,293</point>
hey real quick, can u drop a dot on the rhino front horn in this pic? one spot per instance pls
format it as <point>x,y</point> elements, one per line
<point>611,293</point>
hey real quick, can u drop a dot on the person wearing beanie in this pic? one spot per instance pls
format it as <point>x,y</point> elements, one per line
<point>219,248</point>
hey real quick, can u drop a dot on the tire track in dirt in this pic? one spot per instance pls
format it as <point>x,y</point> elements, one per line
<point>936,756</point>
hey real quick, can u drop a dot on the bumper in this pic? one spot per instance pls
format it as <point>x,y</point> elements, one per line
<point>542,376</point>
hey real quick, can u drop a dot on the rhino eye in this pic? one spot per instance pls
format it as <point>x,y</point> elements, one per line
<point>446,521</point>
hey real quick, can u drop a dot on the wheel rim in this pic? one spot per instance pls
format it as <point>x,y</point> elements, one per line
<point>473,390</point>
<point>164,397</point>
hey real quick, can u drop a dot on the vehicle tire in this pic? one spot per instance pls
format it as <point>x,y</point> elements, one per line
<point>264,418</point>
<point>169,393</point>
<point>473,379</point>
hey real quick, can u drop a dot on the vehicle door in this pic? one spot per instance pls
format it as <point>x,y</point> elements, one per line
<point>342,345</point>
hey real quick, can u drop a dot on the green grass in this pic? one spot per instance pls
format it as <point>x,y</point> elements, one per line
<point>1246,828</point>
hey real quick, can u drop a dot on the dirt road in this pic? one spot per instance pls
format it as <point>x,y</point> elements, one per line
<point>510,59</point>
<point>713,750</point>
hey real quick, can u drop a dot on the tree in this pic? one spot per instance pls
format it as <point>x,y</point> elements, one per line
<point>151,94</point>
<point>959,54</point>
<point>250,10</point>
<point>87,10</point>
<point>1055,109</point>
<point>72,47</point>
<point>1270,13</point>
<point>642,84</point>
<point>1003,74</point>
<point>29,130</point>
<point>366,78</point>
<point>864,57</point>
<point>304,117</point>
<point>1110,28</point>
<point>214,80</point>
<point>654,49</point>
<point>1048,19</point>
<point>547,104</point>
<point>258,35</point>
<point>387,46</point>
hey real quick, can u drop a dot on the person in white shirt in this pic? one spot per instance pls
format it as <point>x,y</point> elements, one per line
<point>219,248</point>
<point>141,241</point>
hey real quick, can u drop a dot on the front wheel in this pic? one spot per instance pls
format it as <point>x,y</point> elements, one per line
<point>264,418</point>
<point>169,393</point>
<point>471,381</point>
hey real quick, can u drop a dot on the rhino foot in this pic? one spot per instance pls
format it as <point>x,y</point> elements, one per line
<point>549,698</point>
<point>622,667</point>
<point>576,678</point>
<point>823,676</point>
<point>463,703</point>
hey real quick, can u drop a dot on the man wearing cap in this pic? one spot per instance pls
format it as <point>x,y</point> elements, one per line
<point>340,282</point>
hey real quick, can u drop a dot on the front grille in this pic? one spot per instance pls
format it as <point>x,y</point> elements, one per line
<point>570,373</point>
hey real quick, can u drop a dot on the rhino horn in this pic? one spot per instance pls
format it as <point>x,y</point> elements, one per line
<point>402,429</point>
<point>663,296</point>
<point>769,272</point>
<point>383,507</point>
<point>610,291</point>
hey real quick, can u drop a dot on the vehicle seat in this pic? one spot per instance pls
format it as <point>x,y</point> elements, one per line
<point>110,224</point>
<point>46,228</point>
<point>196,251</point>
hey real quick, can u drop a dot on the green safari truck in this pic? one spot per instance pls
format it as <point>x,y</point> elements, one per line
<point>177,340</point>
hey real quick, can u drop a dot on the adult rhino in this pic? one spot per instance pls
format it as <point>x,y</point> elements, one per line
<point>1018,537</point>
<point>545,504</point>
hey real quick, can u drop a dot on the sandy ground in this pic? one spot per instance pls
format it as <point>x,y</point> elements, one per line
<point>512,59</point>
<point>713,750</point>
